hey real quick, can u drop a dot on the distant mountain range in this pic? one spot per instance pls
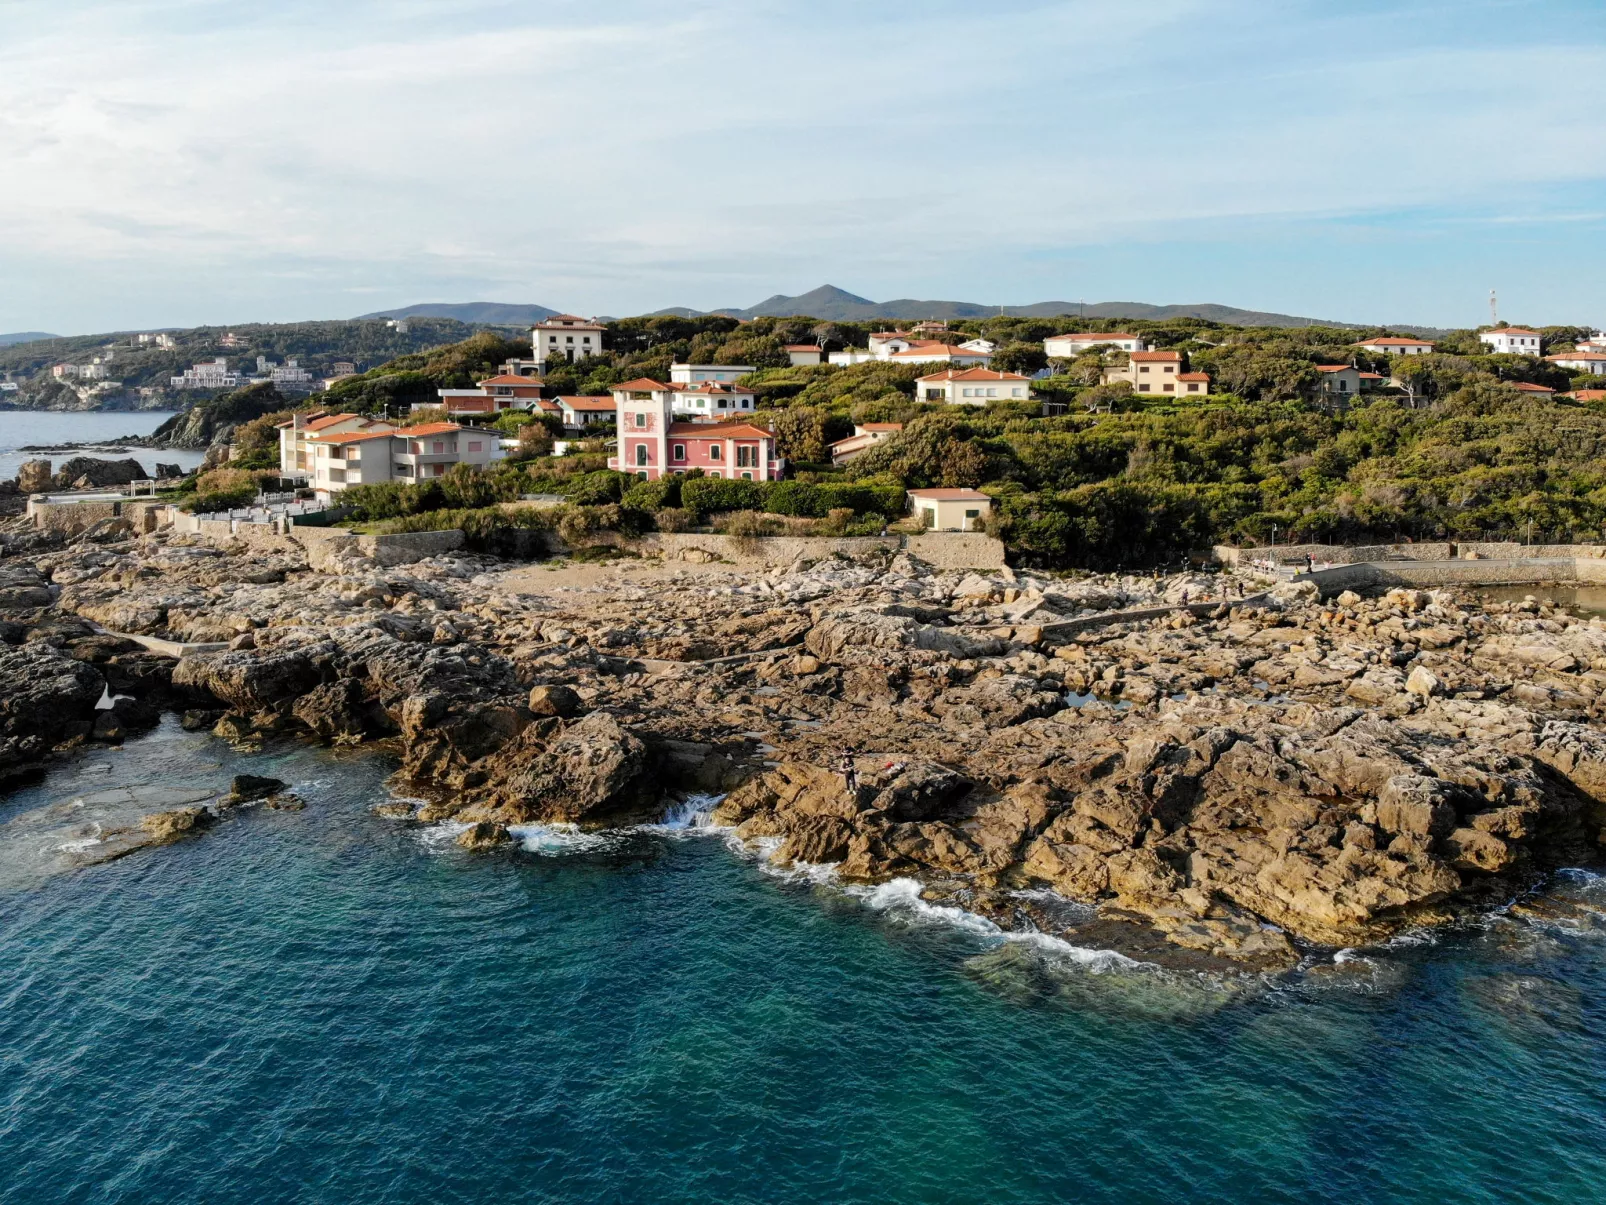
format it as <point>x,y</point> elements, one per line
<point>832,304</point>
<point>490,313</point>
<point>24,337</point>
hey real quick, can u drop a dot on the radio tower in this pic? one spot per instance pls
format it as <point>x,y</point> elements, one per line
<point>1494,311</point>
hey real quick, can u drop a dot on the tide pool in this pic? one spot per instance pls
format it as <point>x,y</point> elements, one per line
<point>327,1006</point>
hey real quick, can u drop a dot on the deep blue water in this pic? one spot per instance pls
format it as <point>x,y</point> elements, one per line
<point>326,1006</point>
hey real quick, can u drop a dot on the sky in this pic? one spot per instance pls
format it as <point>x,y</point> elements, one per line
<point>188,162</point>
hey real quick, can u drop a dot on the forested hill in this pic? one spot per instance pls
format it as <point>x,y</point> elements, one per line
<point>318,346</point>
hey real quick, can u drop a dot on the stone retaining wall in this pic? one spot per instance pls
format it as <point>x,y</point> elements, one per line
<point>69,518</point>
<point>1341,554</point>
<point>1338,554</point>
<point>944,550</point>
<point>1525,571</point>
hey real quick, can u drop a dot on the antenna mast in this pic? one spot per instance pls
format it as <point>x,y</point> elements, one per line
<point>1494,310</point>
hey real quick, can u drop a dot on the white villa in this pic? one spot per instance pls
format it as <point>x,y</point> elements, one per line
<point>343,459</point>
<point>696,374</point>
<point>973,387</point>
<point>564,337</point>
<point>1395,345</point>
<point>295,450</point>
<point>1068,347</point>
<point>1592,362</point>
<point>1512,341</point>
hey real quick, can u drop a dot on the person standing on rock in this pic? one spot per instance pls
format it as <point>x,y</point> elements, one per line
<point>850,775</point>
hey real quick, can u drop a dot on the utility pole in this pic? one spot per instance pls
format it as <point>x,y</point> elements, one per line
<point>1494,310</point>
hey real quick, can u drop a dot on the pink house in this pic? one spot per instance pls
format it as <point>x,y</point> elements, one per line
<point>652,443</point>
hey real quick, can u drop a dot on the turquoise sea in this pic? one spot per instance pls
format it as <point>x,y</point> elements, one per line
<point>326,1006</point>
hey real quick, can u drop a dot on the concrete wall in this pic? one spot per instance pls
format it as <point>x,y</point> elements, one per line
<point>957,549</point>
<point>67,518</point>
<point>402,548</point>
<point>324,543</point>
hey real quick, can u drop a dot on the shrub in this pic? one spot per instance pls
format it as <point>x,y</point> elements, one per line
<point>709,494</point>
<point>653,495</point>
<point>211,503</point>
<point>672,518</point>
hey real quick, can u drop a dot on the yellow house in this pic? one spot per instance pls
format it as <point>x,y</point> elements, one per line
<point>1159,373</point>
<point>951,510</point>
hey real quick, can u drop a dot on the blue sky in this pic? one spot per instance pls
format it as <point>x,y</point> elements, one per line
<point>173,162</point>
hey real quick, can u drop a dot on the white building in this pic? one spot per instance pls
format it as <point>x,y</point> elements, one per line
<point>564,337</point>
<point>295,450</point>
<point>851,356</point>
<point>213,374</point>
<point>1068,347</point>
<point>712,400</point>
<point>1512,341</point>
<point>92,372</point>
<point>1395,345</point>
<point>864,437</point>
<point>1592,362</point>
<point>973,387</point>
<point>159,339</point>
<point>412,454</point>
<point>924,352</point>
<point>803,355</point>
<point>951,509</point>
<point>986,346</point>
<point>694,374</point>
<point>586,411</point>
<point>63,371</point>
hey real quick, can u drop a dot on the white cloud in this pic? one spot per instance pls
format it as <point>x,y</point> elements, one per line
<point>643,154</point>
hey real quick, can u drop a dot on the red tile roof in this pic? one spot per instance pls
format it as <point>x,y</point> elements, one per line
<point>1527,388</point>
<point>1335,368</point>
<point>1577,355</point>
<point>640,385</point>
<point>429,429</point>
<point>803,347</point>
<point>718,431</point>
<point>1089,337</point>
<point>973,374</point>
<point>882,426</point>
<point>1510,330</point>
<point>924,348</point>
<point>509,379</point>
<point>1588,395</point>
<point>1141,357</point>
<point>1393,341</point>
<point>1193,376</point>
<point>350,437</point>
<point>576,402</point>
<point>950,495</point>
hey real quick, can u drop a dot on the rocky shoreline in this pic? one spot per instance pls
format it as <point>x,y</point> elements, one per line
<point>1231,790</point>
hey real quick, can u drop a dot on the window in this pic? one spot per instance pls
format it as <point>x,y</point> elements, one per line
<point>475,445</point>
<point>586,339</point>
<point>746,456</point>
<point>440,446</point>
<point>1143,368</point>
<point>680,451</point>
<point>715,452</point>
<point>641,453</point>
<point>568,338</point>
<point>1170,388</point>
<point>1193,388</point>
<point>642,475</point>
<point>1343,385</point>
<point>713,473</point>
<point>1170,368</point>
<point>747,476</point>
<point>964,393</point>
<point>723,404</point>
<point>992,393</point>
<point>641,418</point>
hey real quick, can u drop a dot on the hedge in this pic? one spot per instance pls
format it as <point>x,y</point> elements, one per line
<point>710,494</point>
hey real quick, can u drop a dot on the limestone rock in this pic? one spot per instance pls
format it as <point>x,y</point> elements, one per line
<point>554,700</point>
